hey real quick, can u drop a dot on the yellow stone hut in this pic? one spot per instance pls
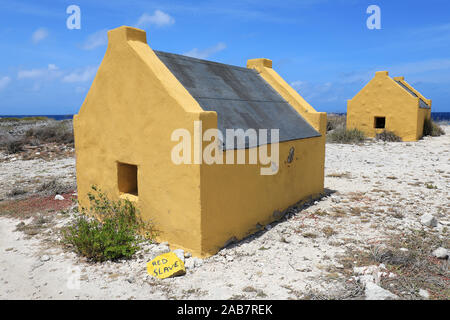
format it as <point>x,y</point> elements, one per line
<point>389,104</point>
<point>124,141</point>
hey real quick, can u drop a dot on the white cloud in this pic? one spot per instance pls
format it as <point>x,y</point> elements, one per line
<point>33,73</point>
<point>431,70</point>
<point>420,67</point>
<point>323,92</point>
<point>159,19</point>
<point>39,35</point>
<point>96,39</point>
<point>4,81</point>
<point>50,72</point>
<point>83,75</point>
<point>205,53</point>
<point>298,85</point>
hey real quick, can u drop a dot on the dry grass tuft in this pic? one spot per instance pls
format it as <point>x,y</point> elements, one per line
<point>54,187</point>
<point>347,136</point>
<point>346,175</point>
<point>59,132</point>
<point>329,231</point>
<point>350,291</point>
<point>388,136</point>
<point>408,256</point>
<point>16,192</point>
<point>431,128</point>
<point>336,121</point>
<point>11,145</point>
<point>310,235</point>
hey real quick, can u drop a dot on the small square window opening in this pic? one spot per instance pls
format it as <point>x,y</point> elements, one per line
<point>380,122</point>
<point>127,178</point>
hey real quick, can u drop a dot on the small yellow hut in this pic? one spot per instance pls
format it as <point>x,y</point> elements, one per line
<point>389,104</point>
<point>142,103</point>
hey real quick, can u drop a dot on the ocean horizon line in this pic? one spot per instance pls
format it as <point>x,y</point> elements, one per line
<point>434,115</point>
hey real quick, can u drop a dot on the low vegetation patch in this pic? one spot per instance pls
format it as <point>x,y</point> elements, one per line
<point>431,128</point>
<point>350,136</point>
<point>14,119</point>
<point>346,175</point>
<point>50,132</point>
<point>329,231</point>
<point>336,121</point>
<point>16,192</point>
<point>409,257</point>
<point>430,186</point>
<point>10,144</point>
<point>416,268</point>
<point>320,213</point>
<point>14,145</point>
<point>29,207</point>
<point>309,235</point>
<point>388,136</point>
<point>346,291</point>
<point>54,187</point>
<point>108,230</point>
<point>59,132</point>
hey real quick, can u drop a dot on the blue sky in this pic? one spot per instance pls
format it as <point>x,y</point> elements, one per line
<point>323,48</point>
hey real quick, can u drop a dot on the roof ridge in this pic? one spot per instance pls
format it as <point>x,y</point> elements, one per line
<point>417,92</point>
<point>231,99</point>
<point>168,54</point>
<point>406,88</point>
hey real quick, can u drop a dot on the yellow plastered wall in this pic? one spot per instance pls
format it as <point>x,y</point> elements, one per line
<point>423,114</point>
<point>383,97</point>
<point>128,116</point>
<point>237,200</point>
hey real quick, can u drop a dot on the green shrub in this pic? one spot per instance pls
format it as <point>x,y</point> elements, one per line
<point>114,231</point>
<point>9,119</point>
<point>346,136</point>
<point>35,118</point>
<point>388,136</point>
<point>431,128</point>
<point>15,119</point>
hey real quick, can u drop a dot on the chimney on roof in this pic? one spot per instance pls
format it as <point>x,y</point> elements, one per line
<point>124,33</point>
<point>382,73</point>
<point>259,63</point>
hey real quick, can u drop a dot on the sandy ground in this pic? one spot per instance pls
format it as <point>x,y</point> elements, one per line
<point>375,190</point>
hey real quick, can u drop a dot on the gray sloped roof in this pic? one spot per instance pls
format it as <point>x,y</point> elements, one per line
<point>240,96</point>
<point>422,104</point>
